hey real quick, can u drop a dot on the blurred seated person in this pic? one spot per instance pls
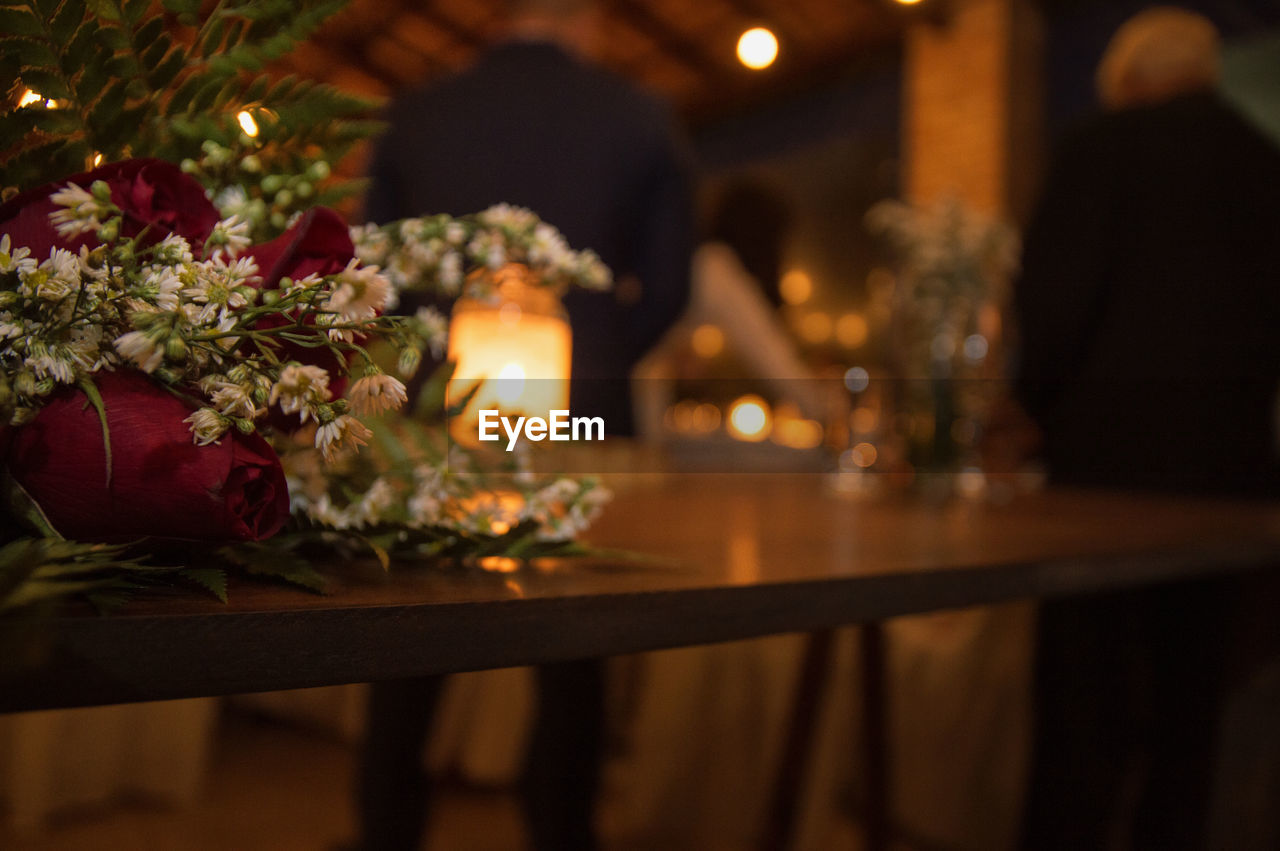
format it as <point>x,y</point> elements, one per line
<point>734,287</point>
<point>1148,309</point>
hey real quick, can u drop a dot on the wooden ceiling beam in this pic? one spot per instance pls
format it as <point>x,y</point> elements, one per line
<point>449,25</point>
<point>675,44</point>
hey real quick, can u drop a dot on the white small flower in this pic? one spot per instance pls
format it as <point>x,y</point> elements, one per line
<point>173,250</point>
<point>300,390</point>
<point>231,235</point>
<point>434,328</point>
<point>371,243</point>
<point>143,349</point>
<point>234,400</point>
<point>344,432</point>
<point>217,287</point>
<point>450,273</point>
<point>80,212</point>
<point>361,293</point>
<point>57,366</point>
<point>56,278</point>
<point>231,201</point>
<point>508,216</point>
<point>207,426</point>
<point>374,394</point>
<point>15,259</point>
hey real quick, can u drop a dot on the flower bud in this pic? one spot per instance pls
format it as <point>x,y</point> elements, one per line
<point>189,166</point>
<point>304,189</point>
<point>245,426</point>
<point>25,383</point>
<point>410,360</point>
<point>143,319</point>
<point>271,297</point>
<point>284,198</point>
<point>259,395</point>
<point>175,349</point>
<point>279,219</point>
<point>318,170</point>
<point>251,163</point>
<point>110,231</point>
<point>7,299</point>
<point>45,386</point>
<point>100,190</point>
<point>272,183</point>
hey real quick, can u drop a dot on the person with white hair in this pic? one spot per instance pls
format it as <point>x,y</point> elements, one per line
<point>1147,309</point>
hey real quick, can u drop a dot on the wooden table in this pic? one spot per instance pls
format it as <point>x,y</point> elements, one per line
<point>734,557</point>
<point>741,556</point>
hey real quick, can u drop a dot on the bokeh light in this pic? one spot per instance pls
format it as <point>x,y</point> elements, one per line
<point>757,48</point>
<point>749,418</point>
<point>796,286</point>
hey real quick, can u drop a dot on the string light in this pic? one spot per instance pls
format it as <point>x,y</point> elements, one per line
<point>247,124</point>
<point>757,48</point>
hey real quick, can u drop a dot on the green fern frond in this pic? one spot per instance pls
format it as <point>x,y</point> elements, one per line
<point>120,78</point>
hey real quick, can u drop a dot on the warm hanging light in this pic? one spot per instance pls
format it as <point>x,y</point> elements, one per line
<point>247,124</point>
<point>757,48</point>
<point>29,97</point>
<point>907,2</point>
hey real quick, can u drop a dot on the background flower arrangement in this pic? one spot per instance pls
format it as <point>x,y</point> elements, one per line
<point>954,265</point>
<point>193,349</point>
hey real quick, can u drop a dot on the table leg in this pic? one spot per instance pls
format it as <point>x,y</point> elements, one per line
<point>875,735</point>
<point>793,764</point>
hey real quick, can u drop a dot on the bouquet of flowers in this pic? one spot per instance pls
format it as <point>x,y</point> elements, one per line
<point>954,264</point>
<point>192,351</point>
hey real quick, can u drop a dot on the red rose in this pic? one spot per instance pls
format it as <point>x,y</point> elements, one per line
<point>319,243</point>
<point>162,484</point>
<point>153,195</point>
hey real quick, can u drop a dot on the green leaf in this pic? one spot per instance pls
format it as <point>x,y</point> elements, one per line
<point>17,21</point>
<point>211,579</point>
<point>263,559</point>
<point>135,9</point>
<point>90,390</point>
<point>212,39</point>
<point>182,7</point>
<point>47,83</point>
<point>24,507</point>
<point>30,52</point>
<point>64,24</point>
<point>167,71</point>
<point>153,53</point>
<point>149,33</point>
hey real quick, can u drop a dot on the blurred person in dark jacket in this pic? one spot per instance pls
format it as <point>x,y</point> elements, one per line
<point>533,124</point>
<point>1148,310</point>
